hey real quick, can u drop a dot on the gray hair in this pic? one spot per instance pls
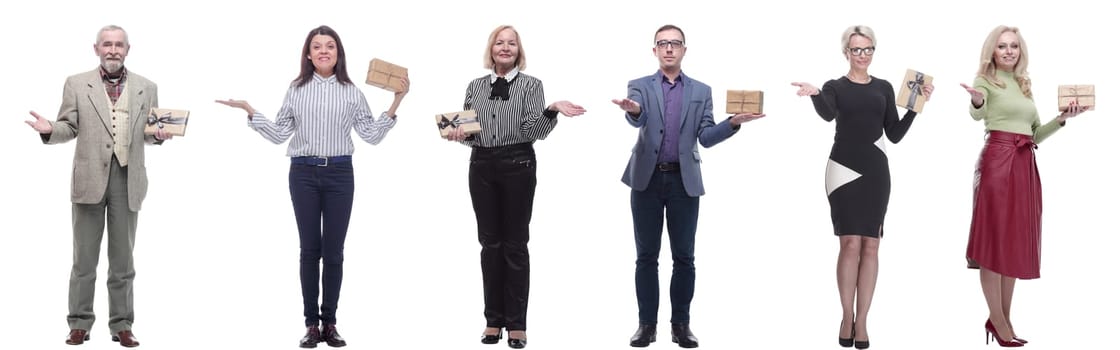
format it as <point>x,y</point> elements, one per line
<point>111,27</point>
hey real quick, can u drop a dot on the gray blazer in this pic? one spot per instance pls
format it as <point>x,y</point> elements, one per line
<point>697,124</point>
<point>85,115</point>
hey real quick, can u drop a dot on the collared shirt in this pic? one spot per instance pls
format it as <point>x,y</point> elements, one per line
<point>509,75</point>
<point>320,115</point>
<point>673,93</point>
<point>521,119</point>
<point>113,87</point>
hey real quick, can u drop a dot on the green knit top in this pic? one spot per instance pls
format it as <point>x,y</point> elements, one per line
<point>1007,109</point>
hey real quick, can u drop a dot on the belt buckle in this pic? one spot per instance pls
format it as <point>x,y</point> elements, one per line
<point>326,161</point>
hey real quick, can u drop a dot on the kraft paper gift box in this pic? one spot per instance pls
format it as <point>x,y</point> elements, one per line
<point>1085,95</point>
<point>385,75</point>
<point>174,121</point>
<point>910,94</point>
<point>468,119</point>
<point>744,101</point>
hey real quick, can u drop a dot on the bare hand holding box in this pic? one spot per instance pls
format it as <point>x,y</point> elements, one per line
<point>910,94</point>
<point>467,119</point>
<point>744,101</point>
<point>386,75</point>
<point>174,121</point>
<point>1084,95</point>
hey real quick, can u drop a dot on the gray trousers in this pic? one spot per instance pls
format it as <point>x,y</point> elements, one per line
<point>89,227</point>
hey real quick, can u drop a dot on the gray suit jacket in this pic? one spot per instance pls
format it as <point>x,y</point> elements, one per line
<point>697,125</point>
<point>85,115</point>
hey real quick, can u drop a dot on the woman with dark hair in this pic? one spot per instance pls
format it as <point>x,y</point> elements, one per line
<point>320,109</point>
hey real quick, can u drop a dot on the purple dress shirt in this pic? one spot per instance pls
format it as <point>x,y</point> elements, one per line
<point>673,93</point>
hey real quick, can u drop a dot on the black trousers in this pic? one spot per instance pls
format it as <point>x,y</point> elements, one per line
<point>503,181</point>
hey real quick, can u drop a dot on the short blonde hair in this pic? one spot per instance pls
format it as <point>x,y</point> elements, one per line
<point>860,30</point>
<point>988,61</point>
<point>488,57</point>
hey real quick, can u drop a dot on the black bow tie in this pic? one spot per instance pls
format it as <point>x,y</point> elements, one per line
<point>499,89</point>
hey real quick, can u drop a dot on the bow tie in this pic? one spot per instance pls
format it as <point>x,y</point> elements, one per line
<point>499,89</point>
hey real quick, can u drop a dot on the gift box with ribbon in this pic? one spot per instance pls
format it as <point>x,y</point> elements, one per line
<point>1085,95</point>
<point>910,94</point>
<point>744,101</point>
<point>174,121</point>
<point>385,75</point>
<point>467,119</point>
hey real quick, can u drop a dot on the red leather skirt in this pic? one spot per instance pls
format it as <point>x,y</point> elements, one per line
<point>1006,208</point>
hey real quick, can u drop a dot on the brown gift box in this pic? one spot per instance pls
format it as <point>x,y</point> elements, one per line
<point>910,94</point>
<point>174,121</point>
<point>744,101</point>
<point>1085,95</point>
<point>468,119</point>
<point>385,75</point>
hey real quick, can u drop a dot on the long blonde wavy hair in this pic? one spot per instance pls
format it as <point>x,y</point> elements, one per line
<point>988,63</point>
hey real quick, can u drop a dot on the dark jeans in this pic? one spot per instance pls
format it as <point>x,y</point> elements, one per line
<point>322,197</point>
<point>502,184</point>
<point>664,200</point>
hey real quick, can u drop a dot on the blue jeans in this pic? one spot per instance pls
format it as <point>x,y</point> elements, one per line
<point>664,200</point>
<point>322,197</point>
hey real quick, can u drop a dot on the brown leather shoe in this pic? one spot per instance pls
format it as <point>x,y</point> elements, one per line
<point>126,339</point>
<point>77,337</point>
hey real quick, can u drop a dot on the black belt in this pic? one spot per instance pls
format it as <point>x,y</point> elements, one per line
<point>668,167</point>
<point>320,161</point>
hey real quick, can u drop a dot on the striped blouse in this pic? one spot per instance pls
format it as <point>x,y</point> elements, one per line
<point>523,118</point>
<point>321,114</point>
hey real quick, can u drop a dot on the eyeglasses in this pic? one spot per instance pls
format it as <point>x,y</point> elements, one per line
<point>858,51</point>
<point>664,44</point>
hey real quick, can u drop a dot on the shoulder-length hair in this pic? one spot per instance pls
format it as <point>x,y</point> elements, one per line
<point>307,68</point>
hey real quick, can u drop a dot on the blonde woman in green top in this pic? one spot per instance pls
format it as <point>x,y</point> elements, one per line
<point>1007,203</point>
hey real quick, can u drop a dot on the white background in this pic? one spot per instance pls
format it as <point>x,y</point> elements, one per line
<point>217,248</point>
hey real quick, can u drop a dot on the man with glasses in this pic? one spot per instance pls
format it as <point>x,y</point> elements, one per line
<point>672,112</point>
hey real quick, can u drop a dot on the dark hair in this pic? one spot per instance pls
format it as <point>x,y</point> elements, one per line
<point>668,27</point>
<point>307,68</point>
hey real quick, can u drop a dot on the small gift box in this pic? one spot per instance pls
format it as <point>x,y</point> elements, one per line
<point>385,75</point>
<point>467,119</point>
<point>1085,95</point>
<point>910,94</point>
<point>174,121</point>
<point>744,101</point>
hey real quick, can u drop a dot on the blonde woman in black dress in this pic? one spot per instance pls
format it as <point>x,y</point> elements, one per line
<point>857,179</point>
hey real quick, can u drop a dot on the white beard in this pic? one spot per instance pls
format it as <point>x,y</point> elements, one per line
<point>112,66</point>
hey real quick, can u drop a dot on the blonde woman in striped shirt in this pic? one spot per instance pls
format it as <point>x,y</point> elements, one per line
<point>503,177</point>
<point>321,108</point>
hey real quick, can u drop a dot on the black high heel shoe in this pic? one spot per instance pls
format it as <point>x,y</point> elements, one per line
<point>859,344</point>
<point>516,343</point>
<point>848,342</point>
<point>492,338</point>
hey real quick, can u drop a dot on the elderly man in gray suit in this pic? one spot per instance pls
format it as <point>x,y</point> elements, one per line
<point>673,113</point>
<point>105,110</point>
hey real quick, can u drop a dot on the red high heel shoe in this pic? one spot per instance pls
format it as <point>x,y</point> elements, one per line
<point>990,333</point>
<point>1021,340</point>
